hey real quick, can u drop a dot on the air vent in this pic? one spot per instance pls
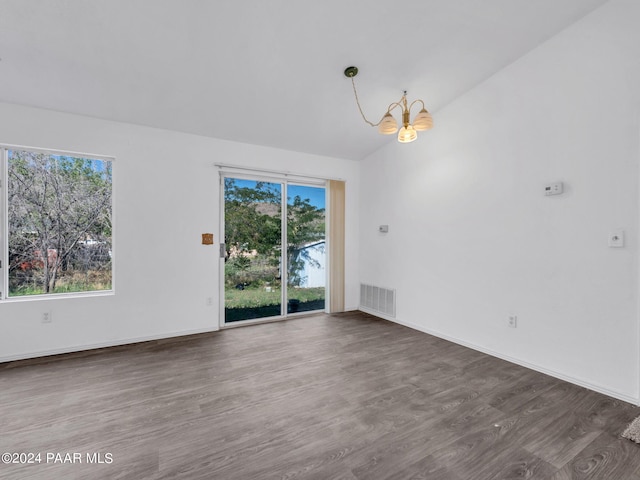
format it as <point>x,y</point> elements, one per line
<point>378,299</point>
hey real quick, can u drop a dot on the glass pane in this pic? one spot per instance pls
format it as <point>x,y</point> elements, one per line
<point>306,251</point>
<point>253,232</point>
<point>59,216</point>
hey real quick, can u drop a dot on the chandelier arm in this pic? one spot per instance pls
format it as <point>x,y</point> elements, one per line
<point>394,105</point>
<point>359,107</point>
<point>416,101</point>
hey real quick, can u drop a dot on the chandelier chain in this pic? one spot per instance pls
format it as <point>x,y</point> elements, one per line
<point>359,107</point>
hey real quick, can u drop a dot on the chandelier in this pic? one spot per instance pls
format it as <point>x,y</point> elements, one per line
<point>388,124</point>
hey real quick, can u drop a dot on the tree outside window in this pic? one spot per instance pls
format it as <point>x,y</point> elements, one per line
<point>59,212</point>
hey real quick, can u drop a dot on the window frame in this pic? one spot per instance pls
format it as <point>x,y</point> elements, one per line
<point>4,225</point>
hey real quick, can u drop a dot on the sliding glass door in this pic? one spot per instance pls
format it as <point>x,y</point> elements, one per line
<point>261,279</point>
<point>306,248</point>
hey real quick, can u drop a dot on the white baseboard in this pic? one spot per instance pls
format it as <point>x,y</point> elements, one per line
<point>552,373</point>
<point>81,348</point>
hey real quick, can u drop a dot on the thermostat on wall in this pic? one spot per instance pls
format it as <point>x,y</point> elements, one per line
<point>383,228</point>
<point>553,189</point>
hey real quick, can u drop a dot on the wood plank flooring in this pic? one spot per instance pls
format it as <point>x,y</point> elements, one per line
<point>345,397</point>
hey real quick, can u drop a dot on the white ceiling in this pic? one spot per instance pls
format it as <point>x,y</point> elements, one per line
<point>263,72</point>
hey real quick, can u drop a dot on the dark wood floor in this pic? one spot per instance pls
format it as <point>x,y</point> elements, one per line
<point>326,397</point>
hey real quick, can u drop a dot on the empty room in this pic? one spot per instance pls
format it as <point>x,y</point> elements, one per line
<point>353,240</point>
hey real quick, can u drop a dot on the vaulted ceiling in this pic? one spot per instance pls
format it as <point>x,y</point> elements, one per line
<point>263,72</point>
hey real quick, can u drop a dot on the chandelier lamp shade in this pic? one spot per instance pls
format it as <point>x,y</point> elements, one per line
<point>388,124</point>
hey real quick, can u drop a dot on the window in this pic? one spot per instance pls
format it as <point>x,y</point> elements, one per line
<point>56,232</point>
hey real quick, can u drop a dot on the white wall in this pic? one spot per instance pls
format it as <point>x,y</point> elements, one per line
<point>166,196</point>
<point>472,238</point>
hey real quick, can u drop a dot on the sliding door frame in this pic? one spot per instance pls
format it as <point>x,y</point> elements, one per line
<point>284,180</point>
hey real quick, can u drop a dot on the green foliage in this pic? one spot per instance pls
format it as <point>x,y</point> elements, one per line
<point>259,297</point>
<point>305,225</point>
<point>252,218</point>
<point>253,230</point>
<point>259,271</point>
<point>242,263</point>
<point>68,283</point>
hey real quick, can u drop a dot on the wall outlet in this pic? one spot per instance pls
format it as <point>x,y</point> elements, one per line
<point>46,317</point>
<point>616,239</point>
<point>512,321</point>
<point>209,301</point>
